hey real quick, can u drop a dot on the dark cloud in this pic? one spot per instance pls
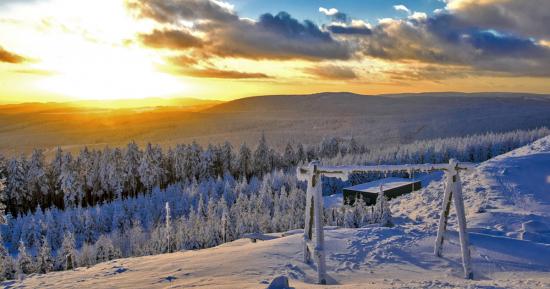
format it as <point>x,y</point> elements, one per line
<point>349,30</point>
<point>277,36</point>
<point>447,39</point>
<point>171,11</point>
<point>10,57</point>
<point>332,72</point>
<point>170,39</point>
<point>528,18</point>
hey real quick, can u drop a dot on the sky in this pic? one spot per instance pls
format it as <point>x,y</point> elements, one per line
<point>65,50</point>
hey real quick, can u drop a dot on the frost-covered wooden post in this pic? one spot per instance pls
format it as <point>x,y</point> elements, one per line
<point>314,218</point>
<point>453,191</point>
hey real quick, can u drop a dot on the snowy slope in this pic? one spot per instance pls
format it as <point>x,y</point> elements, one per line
<point>502,195</point>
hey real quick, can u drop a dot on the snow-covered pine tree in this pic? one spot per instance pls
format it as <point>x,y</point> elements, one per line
<point>17,185</point>
<point>69,181</point>
<point>301,156</point>
<point>132,159</point>
<point>3,255</point>
<point>245,161</point>
<point>25,263</point>
<point>67,253</point>
<point>44,260</point>
<point>262,157</point>
<point>86,256</point>
<point>289,157</point>
<point>382,210</point>
<point>136,239</point>
<point>227,157</point>
<point>104,249</point>
<point>7,265</point>
<point>361,212</point>
<point>36,182</point>
<point>9,268</point>
<point>150,170</point>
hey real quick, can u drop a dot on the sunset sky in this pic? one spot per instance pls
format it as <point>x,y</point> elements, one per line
<point>62,50</point>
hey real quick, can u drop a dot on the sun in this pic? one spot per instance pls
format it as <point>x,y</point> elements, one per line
<point>89,59</point>
<point>111,74</point>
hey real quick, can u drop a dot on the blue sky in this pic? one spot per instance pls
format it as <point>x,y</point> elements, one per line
<point>369,10</point>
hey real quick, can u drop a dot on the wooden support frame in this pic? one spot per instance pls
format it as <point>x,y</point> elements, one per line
<point>314,220</point>
<point>314,207</point>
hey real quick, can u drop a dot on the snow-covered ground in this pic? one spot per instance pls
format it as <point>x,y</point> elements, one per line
<point>508,211</point>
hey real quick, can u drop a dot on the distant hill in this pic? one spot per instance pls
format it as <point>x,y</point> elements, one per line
<point>375,120</point>
<point>191,103</point>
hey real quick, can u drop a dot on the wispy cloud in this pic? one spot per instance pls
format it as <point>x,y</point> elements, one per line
<point>329,71</point>
<point>10,57</point>
<point>402,8</point>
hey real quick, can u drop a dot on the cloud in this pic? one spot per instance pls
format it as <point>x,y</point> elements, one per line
<point>216,73</point>
<point>328,12</point>
<point>192,65</point>
<point>402,8</point>
<point>447,39</point>
<point>527,18</point>
<point>349,29</point>
<point>332,72</point>
<point>418,16</point>
<point>10,57</point>
<point>170,39</point>
<point>171,11</point>
<point>472,35</point>
<point>224,34</point>
<point>334,14</point>
<point>183,60</point>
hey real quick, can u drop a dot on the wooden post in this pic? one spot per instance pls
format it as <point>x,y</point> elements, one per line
<point>319,226</point>
<point>453,191</point>
<point>314,218</point>
<point>463,234</point>
<point>308,219</point>
<point>309,214</point>
<point>443,218</point>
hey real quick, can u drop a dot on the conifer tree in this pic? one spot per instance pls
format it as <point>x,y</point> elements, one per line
<point>104,249</point>
<point>262,163</point>
<point>67,252</point>
<point>44,262</point>
<point>25,264</point>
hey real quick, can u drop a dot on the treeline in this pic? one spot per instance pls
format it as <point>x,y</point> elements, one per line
<point>183,216</point>
<point>474,148</point>
<point>97,176</point>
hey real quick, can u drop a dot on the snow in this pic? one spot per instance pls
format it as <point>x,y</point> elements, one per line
<point>507,200</point>
<point>387,183</point>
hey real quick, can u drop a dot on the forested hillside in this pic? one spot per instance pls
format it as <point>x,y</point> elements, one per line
<point>110,203</point>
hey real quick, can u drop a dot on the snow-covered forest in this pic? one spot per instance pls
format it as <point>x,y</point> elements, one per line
<point>100,205</point>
